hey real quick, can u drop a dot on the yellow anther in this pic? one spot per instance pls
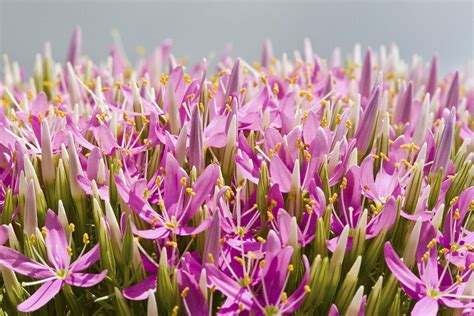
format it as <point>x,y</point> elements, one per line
<point>69,251</point>
<point>425,257</point>
<point>324,102</point>
<point>190,192</point>
<point>239,260</point>
<point>458,279</point>
<point>187,78</point>
<point>384,157</point>
<point>30,95</point>
<point>184,181</point>
<point>284,297</point>
<point>461,268</point>
<point>170,225</point>
<point>261,239</point>
<point>343,183</point>
<point>173,244</point>
<point>471,266</point>
<point>270,216</point>
<point>453,248</point>
<point>333,198</point>
<point>72,227</point>
<point>456,215</point>
<point>307,155</point>
<point>185,292</point>
<point>243,91</point>
<point>240,231</point>
<point>338,119</point>
<point>276,88</point>
<point>85,239</point>
<point>454,200</point>
<point>307,94</point>
<point>247,280</point>
<point>324,122</point>
<point>175,311</point>
<point>307,289</point>
<point>210,258</point>
<point>43,231</point>
<point>163,79</point>
<point>406,163</point>
<point>432,243</point>
<point>161,204</point>
<point>291,267</point>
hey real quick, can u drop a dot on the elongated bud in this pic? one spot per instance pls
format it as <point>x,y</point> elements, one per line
<point>422,122</point>
<point>8,207</point>
<point>338,255</point>
<point>75,46</point>
<point>62,217</point>
<point>121,303</point>
<point>47,162</point>
<point>203,283</point>
<point>12,286</point>
<point>180,149</point>
<point>414,189</point>
<point>433,76</point>
<point>438,217</point>
<point>30,218</point>
<point>127,248</point>
<point>358,241</point>
<point>348,286</point>
<point>12,240</point>
<point>173,109</point>
<point>212,246</point>
<point>374,300</point>
<point>452,98</point>
<point>73,85</point>
<point>114,227</point>
<point>365,77</point>
<point>31,175</point>
<point>196,155</point>
<point>435,180</point>
<point>403,111</point>
<point>267,54</point>
<point>262,192</point>
<point>167,286</point>
<point>366,130</point>
<point>107,260</point>
<point>443,148</point>
<point>152,308</point>
<point>295,190</point>
<point>233,85</point>
<point>355,305</point>
<point>75,168</point>
<point>228,163</point>
<point>409,255</point>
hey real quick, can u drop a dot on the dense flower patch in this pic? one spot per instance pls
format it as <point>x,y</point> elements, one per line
<point>297,185</point>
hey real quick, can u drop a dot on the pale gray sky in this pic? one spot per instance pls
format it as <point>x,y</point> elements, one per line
<point>197,27</point>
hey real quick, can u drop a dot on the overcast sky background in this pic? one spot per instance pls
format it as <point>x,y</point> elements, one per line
<point>198,27</point>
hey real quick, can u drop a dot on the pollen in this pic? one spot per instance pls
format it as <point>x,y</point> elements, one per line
<point>307,289</point>
<point>173,244</point>
<point>185,292</point>
<point>72,227</point>
<point>291,267</point>
<point>85,239</point>
<point>184,181</point>
<point>284,297</point>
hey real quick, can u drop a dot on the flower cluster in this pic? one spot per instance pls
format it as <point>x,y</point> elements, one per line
<point>291,186</point>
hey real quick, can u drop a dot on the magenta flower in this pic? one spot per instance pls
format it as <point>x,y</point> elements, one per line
<point>433,286</point>
<point>58,272</point>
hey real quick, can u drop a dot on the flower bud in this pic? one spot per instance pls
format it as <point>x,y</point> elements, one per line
<point>152,308</point>
<point>107,260</point>
<point>414,188</point>
<point>409,255</point>
<point>122,307</point>
<point>374,300</point>
<point>356,303</point>
<point>167,286</point>
<point>348,286</point>
<point>12,286</point>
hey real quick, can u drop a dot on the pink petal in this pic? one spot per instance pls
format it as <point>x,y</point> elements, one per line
<point>427,306</point>
<point>56,243</point>
<point>401,272</point>
<point>41,297</point>
<point>86,260</point>
<point>140,290</point>
<point>19,263</point>
<point>85,279</point>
